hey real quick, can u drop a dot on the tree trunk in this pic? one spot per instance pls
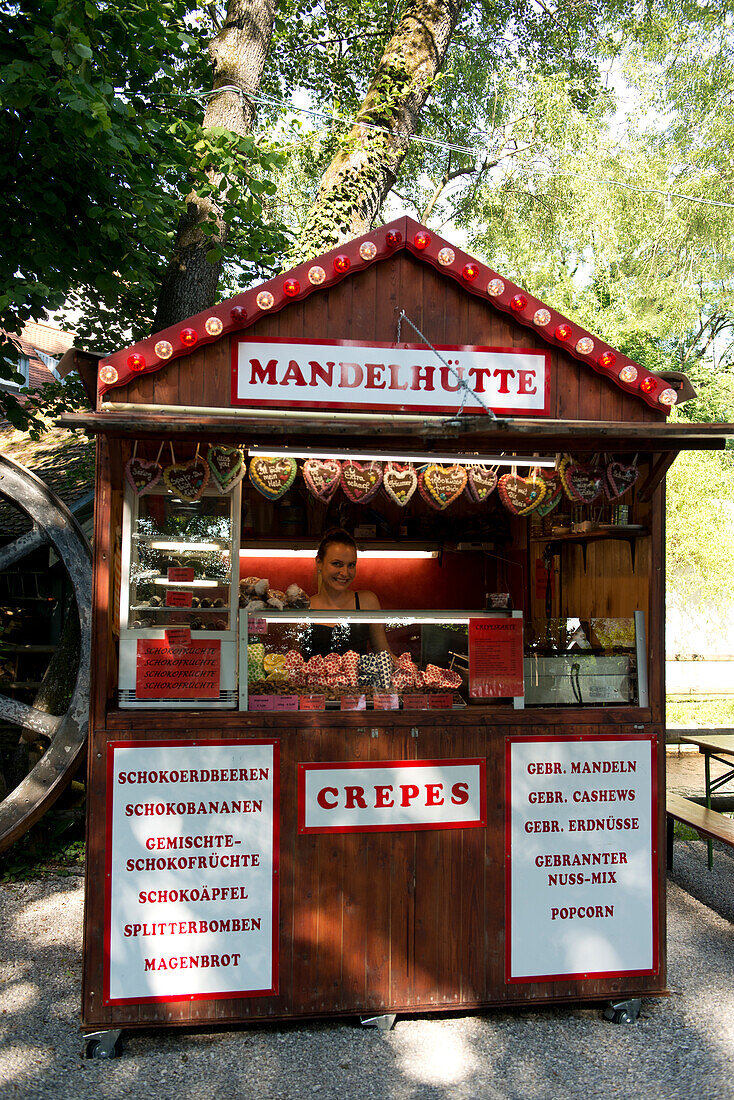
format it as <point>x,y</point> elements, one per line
<point>362,173</point>
<point>238,54</point>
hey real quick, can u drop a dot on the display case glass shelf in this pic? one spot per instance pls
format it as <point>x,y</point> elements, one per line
<point>360,660</point>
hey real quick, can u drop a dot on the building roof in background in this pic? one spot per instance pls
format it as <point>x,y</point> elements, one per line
<point>63,459</point>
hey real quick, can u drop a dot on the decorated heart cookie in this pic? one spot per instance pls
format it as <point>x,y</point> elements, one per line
<point>481,481</point>
<point>361,480</point>
<point>227,465</point>
<point>619,478</point>
<point>272,476</point>
<point>441,485</point>
<point>552,478</point>
<point>142,475</point>
<point>522,495</point>
<point>322,476</point>
<point>583,483</point>
<point>187,479</point>
<point>399,482</point>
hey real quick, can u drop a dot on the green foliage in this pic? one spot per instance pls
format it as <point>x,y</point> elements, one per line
<point>102,140</point>
<point>700,522</point>
<point>54,846</point>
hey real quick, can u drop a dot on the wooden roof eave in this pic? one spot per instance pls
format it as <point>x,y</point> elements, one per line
<point>468,433</point>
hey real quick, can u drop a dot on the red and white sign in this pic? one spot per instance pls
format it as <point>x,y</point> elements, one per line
<point>345,374</point>
<point>177,598</point>
<point>391,795</point>
<point>180,574</point>
<point>495,658</point>
<point>581,834</point>
<point>191,871</point>
<point>165,671</point>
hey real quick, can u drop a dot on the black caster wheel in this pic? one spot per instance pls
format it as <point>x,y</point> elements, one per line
<point>99,1048</point>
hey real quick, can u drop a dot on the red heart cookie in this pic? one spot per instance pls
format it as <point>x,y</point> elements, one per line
<point>399,482</point>
<point>322,476</point>
<point>272,476</point>
<point>142,475</point>
<point>441,485</point>
<point>522,495</point>
<point>227,464</point>
<point>552,478</point>
<point>361,480</point>
<point>481,481</point>
<point>187,479</point>
<point>582,483</point>
<point>619,479</point>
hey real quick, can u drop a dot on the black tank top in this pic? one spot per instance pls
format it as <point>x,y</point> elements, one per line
<point>320,639</point>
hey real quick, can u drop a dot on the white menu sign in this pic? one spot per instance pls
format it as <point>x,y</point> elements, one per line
<point>581,836</point>
<point>191,901</point>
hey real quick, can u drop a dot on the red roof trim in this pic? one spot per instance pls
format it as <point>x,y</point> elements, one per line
<point>408,229</point>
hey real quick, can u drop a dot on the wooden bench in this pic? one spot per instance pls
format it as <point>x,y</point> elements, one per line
<point>708,823</point>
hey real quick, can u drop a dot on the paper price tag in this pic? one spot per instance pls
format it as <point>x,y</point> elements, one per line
<point>179,574</point>
<point>313,702</point>
<point>179,599</point>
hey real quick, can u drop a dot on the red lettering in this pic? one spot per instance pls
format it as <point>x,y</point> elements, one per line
<point>460,794</point>
<point>433,790</point>
<point>374,376</point>
<point>321,374</point>
<point>410,792</point>
<point>293,374</point>
<point>357,375</point>
<point>503,373</point>
<point>394,374</point>
<point>526,379</point>
<point>382,794</point>
<point>321,798</point>
<point>424,375</point>
<point>480,373</point>
<point>447,374</point>
<point>260,373</point>
<point>354,797</point>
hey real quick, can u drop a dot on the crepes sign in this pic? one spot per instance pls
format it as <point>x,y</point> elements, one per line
<point>409,378</point>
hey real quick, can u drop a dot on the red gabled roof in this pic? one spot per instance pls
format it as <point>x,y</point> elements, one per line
<point>340,263</point>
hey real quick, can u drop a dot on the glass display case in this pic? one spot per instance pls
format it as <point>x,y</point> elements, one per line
<point>367,660</point>
<point>179,600</point>
<point>586,662</point>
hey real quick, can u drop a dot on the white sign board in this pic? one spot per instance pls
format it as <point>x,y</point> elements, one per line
<point>191,904</point>
<point>342,374</point>
<point>581,835</point>
<point>391,795</point>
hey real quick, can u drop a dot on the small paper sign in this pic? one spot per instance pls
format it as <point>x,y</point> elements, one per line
<point>179,599</point>
<point>495,658</point>
<point>286,702</point>
<point>178,635</point>
<point>313,702</point>
<point>165,671</point>
<point>179,574</point>
<point>384,701</point>
<point>353,702</point>
<point>257,626</point>
<point>261,702</point>
<point>415,702</point>
<point>440,702</point>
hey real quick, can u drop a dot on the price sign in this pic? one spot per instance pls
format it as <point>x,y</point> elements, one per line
<point>495,658</point>
<point>179,574</point>
<point>179,599</point>
<point>313,702</point>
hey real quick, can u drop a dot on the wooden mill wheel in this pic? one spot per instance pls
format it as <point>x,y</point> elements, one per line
<point>52,523</point>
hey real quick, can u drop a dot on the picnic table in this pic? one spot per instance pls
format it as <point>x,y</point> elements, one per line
<point>713,746</point>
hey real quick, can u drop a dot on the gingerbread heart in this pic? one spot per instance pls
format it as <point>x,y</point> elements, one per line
<point>227,465</point>
<point>272,476</point>
<point>322,476</point>
<point>481,481</point>
<point>361,480</point>
<point>142,475</point>
<point>619,478</point>
<point>583,483</point>
<point>441,485</point>
<point>399,482</point>
<point>187,479</point>
<point>552,478</point>
<point>522,495</point>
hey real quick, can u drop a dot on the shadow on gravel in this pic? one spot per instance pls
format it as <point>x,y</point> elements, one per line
<point>713,888</point>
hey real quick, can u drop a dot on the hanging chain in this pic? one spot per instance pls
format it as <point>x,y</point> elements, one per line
<point>463,386</point>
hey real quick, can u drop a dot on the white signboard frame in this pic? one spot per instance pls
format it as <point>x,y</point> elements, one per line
<point>191,885</point>
<point>581,857</point>
<point>392,795</point>
<point>379,377</point>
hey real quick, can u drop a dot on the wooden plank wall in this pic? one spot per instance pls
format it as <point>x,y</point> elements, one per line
<point>375,921</point>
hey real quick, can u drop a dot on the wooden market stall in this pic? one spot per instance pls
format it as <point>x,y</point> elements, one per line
<point>483,823</point>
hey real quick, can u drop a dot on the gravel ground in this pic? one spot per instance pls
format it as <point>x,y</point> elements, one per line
<point>682,1046</point>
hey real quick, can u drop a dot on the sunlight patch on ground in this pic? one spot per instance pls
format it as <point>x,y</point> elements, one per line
<point>15,997</point>
<point>434,1056</point>
<point>40,922</point>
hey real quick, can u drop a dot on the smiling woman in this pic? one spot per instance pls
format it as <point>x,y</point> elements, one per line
<point>336,567</point>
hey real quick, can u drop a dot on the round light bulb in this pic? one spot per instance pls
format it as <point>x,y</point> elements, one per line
<point>265,300</point>
<point>163,349</point>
